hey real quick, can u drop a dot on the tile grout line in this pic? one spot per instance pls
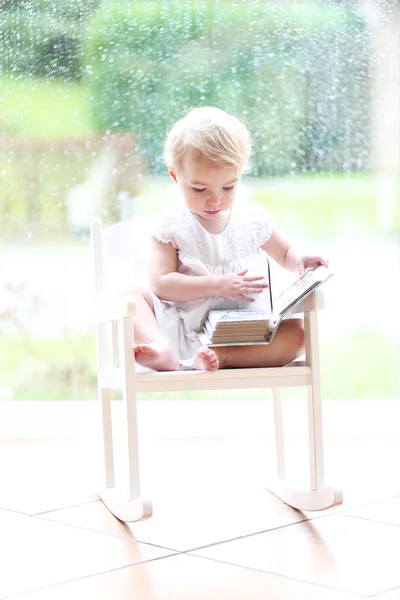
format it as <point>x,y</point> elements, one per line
<point>188,550</point>
<point>45,512</point>
<point>274,574</point>
<point>388,590</point>
<point>185,551</point>
<point>370,520</point>
<point>229,540</point>
<point>336,511</point>
<point>196,548</point>
<point>68,581</point>
<point>103,533</point>
<point>81,527</point>
<point>357,506</point>
<point>262,531</point>
<point>16,512</point>
<point>41,517</point>
<point>242,567</point>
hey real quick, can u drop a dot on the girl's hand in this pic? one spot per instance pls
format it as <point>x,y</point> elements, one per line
<point>236,286</point>
<point>306,261</point>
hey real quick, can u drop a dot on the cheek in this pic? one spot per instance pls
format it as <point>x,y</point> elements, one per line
<point>193,196</point>
<point>187,193</point>
<point>230,196</point>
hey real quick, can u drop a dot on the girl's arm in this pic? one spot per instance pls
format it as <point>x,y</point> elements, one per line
<point>281,250</point>
<point>172,286</point>
<point>288,256</point>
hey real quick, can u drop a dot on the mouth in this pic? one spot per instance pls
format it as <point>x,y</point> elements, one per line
<point>212,212</point>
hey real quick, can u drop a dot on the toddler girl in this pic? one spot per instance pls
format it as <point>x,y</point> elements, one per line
<point>211,253</point>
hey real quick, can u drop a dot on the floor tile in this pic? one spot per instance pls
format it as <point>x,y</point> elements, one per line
<point>385,511</point>
<point>69,472</point>
<point>203,492</point>
<point>184,578</point>
<point>361,467</point>
<point>35,553</point>
<point>392,595</point>
<point>183,521</point>
<point>56,473</point>
<point>346,553</point>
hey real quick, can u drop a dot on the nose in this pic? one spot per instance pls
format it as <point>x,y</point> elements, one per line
<point>214,200</point>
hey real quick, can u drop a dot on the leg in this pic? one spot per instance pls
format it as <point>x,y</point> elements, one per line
<point>150,348</point>
<point>287,345</point>
<point>146,329</point>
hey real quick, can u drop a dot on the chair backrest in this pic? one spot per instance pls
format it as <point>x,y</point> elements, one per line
<point>120,254</point>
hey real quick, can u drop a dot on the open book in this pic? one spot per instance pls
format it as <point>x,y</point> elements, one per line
<point>236,327</point>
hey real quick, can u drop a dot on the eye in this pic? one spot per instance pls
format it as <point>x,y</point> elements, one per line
<point>227,189</point>
<point>199,189</point>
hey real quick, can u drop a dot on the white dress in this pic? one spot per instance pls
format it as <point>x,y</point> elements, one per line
<point>204,253</point>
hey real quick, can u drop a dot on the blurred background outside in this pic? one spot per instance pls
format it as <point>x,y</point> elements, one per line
<point>88,89</point>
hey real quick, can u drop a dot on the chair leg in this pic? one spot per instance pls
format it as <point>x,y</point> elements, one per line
<point>104,395</point>
<point>279,436</point>
<point>125,502</point>
<point>108,445</point>
<point>315,439</point>
<point>315,430</point>
<point>319,496</point>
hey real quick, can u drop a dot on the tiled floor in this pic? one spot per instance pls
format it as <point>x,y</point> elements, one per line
<point>216,532</point>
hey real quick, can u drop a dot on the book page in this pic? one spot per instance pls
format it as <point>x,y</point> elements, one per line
<point>300,288</point>
<point>237,316</point>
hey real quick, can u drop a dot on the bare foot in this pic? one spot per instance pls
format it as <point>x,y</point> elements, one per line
<point>159,357</point>
<point>206,359</point>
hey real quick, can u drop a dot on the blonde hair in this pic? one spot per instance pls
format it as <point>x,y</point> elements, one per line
<point>214,133</point>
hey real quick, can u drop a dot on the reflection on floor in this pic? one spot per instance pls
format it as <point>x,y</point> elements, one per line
<point>216,531</point>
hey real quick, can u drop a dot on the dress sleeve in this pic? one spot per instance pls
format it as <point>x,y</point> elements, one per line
<point>261,223</point>
<point>164,230</point>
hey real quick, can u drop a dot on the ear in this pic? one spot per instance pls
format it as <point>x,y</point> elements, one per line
<point>172,174</point>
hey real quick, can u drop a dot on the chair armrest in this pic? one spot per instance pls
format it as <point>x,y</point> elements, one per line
<point>118,307</point>
<point>314,301</point>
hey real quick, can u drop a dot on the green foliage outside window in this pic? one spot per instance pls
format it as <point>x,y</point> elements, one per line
<point>43,37</point>
<point>295,72</point>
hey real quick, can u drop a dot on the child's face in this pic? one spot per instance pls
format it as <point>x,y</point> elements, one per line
<point>208,188</point>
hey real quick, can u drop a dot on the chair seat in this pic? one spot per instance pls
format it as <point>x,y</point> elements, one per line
<point>175,381</point>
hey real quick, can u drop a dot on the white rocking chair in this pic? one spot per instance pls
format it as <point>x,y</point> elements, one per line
<point>114,249</point>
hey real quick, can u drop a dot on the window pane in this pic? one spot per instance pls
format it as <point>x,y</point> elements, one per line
<point>87,93</point>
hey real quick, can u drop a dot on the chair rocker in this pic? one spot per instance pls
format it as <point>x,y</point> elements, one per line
<point>114,248</point>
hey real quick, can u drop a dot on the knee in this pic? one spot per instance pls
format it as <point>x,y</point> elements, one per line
<point>297,336</point>
<point>141,295</point>
<point>293,344</point>
<point>137,291</point>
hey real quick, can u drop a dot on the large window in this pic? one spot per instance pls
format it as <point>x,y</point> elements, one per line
<point>87,92</point>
